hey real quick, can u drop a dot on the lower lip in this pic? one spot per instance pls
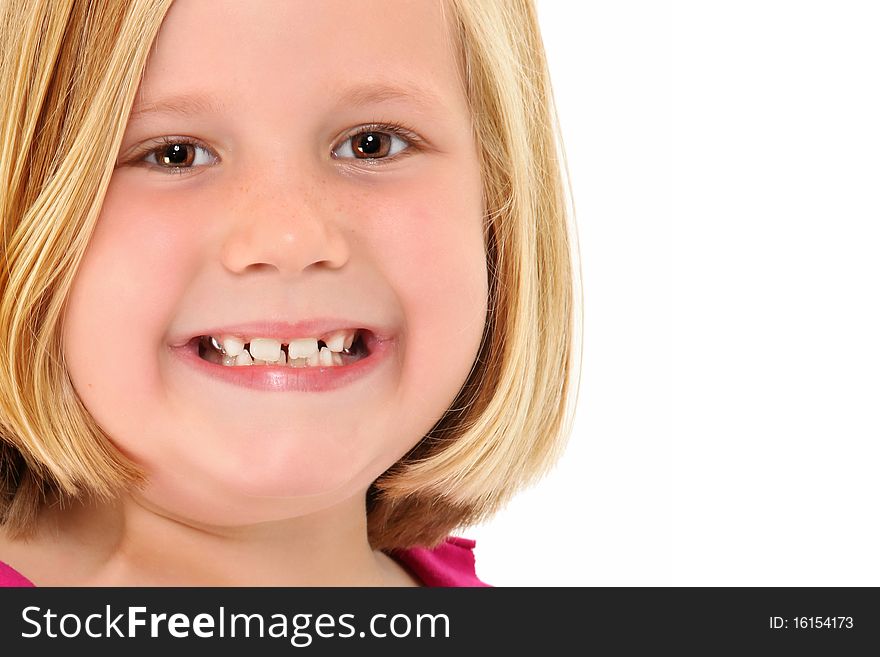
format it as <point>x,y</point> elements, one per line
<point>281,378</point>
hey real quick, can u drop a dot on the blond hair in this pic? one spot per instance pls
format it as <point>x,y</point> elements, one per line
<point>69,70</point>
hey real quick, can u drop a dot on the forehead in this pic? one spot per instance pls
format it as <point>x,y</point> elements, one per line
<point>282,53</point>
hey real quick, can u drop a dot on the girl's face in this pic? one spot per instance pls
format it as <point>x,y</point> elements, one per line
<point>289,168</point>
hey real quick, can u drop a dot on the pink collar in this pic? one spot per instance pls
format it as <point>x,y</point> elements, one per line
<point>451,563</point>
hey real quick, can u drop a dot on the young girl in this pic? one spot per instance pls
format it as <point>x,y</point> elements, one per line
<point>287,288</point>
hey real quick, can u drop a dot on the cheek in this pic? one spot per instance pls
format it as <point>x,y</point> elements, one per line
<point>135,266</point>
<point>121,303</point>
<point>434,254</point>
<point>441,265</point>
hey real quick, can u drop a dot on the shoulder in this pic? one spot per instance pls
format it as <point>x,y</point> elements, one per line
<point>451,563</point>
<point>9,577</point>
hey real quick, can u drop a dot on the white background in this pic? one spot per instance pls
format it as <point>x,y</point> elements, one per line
<point>725,162</point>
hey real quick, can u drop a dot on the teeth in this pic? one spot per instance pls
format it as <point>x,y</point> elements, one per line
<point>302,348</point>
<point>231,345</point>
<point>265,349</point>
<point>301,352</point>
<point>336,341</point>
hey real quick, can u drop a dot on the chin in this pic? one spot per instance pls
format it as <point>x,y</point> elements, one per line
<point>267,476</point>
<point>239,503</point>
<point>304,477</point>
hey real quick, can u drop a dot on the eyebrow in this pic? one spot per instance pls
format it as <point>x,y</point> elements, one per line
<point>380,92</point>
<point>179,105</point>
<point>361,95</point>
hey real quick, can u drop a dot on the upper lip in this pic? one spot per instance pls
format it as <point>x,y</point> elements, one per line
<point>283,331</point>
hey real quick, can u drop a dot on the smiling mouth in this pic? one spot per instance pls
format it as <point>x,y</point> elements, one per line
<point>209,349</point>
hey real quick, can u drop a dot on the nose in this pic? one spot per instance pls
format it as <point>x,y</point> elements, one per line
<point>279,227</point>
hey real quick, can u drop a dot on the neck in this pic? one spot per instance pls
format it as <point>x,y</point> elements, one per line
<point>133,543</point>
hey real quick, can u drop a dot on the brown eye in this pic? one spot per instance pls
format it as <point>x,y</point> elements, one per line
<point>178,155</point>
<point>371,145</point>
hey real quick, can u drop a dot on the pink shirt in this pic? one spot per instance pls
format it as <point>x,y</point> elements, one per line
<point>449,564</point>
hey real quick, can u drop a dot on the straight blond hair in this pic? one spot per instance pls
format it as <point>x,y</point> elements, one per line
<point>69,72</point>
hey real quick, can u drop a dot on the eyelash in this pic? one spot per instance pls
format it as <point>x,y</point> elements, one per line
<point>414,143</point>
